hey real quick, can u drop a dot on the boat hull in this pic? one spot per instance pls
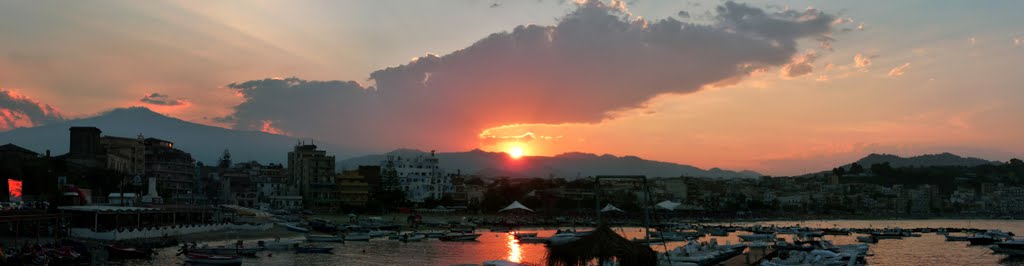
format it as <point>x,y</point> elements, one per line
<point>320,238</point>
<point>210,259</point>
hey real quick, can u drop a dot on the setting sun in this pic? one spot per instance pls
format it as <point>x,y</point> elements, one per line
<point>516,152</point>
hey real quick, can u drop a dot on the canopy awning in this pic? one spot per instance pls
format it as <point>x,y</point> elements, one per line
<point>668,205</point>
<point>515,205</point>
<point>611,208</point>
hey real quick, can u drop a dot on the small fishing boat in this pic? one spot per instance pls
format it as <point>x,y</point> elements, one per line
<point>295,227</point>
<point>380,233</point>
<point>211,259</point>
<point>459,237</point>
<point>115,251</point>
<point>1014,247</point>
<point>324,238</point>
<point>313,249</point>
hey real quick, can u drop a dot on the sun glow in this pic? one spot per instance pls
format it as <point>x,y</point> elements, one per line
<point>516,152</point>
<point>515,253</point>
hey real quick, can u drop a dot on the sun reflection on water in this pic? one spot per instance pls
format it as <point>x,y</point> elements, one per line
<point>515,253</point>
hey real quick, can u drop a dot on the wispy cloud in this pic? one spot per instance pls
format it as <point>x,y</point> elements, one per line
<point>162,99</point>
<point>899,70</point>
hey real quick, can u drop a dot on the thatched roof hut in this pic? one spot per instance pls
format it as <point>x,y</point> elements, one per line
<point>602,244</point>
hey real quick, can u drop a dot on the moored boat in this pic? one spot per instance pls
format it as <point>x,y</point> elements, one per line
<point>459,237</point>
<point>115,251</point>
<point>324,238</point>
<point>358,237</point>
<point>313,249</point>
<point>295,227</point>
<point>212,259</point>
<point>412,238</point>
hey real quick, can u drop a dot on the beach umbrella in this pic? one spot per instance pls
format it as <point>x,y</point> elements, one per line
<point>515,206</point>
<point>668,205</point>
<point>611,208</point>
<point>603,245</point>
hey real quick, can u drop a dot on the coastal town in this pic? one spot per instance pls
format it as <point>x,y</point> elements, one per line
<point>144,193</point>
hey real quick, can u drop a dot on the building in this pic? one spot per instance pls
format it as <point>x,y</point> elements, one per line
<point>420,177</point>
<point>312,171</point>
<point>125,155</point>
<point>173,169</point>
<point>353,190</point>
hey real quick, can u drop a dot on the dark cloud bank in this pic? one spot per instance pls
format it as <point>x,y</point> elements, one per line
<point>597,59</point>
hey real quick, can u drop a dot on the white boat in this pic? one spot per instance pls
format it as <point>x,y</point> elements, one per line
<point>562,238</point>
<point>209,259</point>
<point>694,253</point>
<point>324,238</point>
<point>295,227</point>
<point>380,233</point>
<point>357,237</point>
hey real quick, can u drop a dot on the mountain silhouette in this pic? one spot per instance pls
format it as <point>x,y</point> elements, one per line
<point>567,165</point>
<point>205,143</point>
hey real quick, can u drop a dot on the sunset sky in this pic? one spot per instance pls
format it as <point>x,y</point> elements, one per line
<point>779,87</point>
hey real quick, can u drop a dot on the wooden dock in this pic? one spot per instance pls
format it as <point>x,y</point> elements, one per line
<point>751,257</point>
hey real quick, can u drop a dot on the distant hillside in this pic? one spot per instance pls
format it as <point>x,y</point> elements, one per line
<point>943,159</point>
<point>205,143</point>
<point>564,165</point>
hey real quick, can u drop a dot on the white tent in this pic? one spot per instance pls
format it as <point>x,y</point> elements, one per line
<point>668,205</point>
<point>610,207</point>
<point>515,205</point>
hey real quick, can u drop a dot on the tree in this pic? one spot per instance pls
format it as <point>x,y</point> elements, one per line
<point>1016,162</point>
<point>225,160</point>
<point>856,169</point>
<point>839,171</point>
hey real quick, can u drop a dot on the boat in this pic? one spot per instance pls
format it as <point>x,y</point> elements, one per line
<point>412,238</point>
<point>227,250</point>
<point>278,244</point>
<point>562,238</point>
<point>989,237</point>
<point>295,227</point>
<point>501,229</point>
<point>313,249</point>
<point>532,240</point>
<point>518,235</point>
<point>753,237</point>
<point>115,251</point>
<point>888,234</point>
<point>695,253</point>
<point>358,237</point>
<point>212,259</point>
<point>380,233</point>
<point>956,238</point>
<point>867,239</point>
<point>836,232</point>
<point>459,237</point>
<point>718,233</point>
<point>324,238</point>
<point>1013,247</point>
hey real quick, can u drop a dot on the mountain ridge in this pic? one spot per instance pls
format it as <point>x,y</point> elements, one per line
<point>569,164</point>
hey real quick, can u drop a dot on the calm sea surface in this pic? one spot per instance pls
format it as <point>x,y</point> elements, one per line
<point>930,249</point>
